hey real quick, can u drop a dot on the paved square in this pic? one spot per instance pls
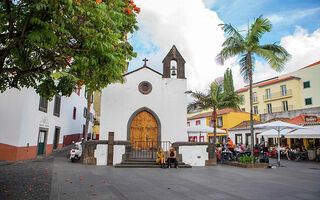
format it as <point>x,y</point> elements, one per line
<point>298,180</point>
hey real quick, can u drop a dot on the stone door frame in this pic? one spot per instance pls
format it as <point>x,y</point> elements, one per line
<point>153,114</point>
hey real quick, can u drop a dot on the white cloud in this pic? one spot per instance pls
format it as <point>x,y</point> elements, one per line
<point>292,15</point>
<point>304,49</point>
<point>208,3</point>
<point>192,28</point>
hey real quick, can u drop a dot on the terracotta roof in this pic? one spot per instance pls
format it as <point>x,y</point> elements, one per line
<point>209,114</point>
<point>283,119</point>
<point>142,68</point>
<point>314,64</point>
<point>268,83</point>
<point>275,81</point>
<point>245,124</point>
<point>301,120</point>
<point>242,89</point>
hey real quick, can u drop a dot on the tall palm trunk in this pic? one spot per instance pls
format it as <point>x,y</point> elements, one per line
<point>214,120</point>
<point>89,102</point>
<point>251,102</point>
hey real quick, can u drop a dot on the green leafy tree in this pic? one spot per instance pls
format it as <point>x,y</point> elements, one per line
<point>53,45</point>
<point>218,96</point>
<point>247,47</point>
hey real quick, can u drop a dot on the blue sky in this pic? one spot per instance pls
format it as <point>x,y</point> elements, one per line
<point>303,13</point>
<point>192,25</point>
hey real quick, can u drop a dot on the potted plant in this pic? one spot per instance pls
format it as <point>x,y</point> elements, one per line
<point>311,151</point>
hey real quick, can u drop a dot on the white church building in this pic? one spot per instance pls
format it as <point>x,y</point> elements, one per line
<point>149,108</point>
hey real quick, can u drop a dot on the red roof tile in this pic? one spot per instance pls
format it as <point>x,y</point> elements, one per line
<point>301,119</point>
<point>245,124</point>
<point>314,64</point>
<point>242,89</point>
<point>275,81</point>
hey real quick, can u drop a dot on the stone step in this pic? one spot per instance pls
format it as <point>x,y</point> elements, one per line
<point>145,166</point>
<point>145,163</point>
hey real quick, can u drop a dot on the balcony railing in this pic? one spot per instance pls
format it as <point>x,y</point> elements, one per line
<point>277,95</point>
<point>279,109</point>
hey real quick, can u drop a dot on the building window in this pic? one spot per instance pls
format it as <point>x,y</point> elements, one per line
<point>91,117</point>
<point>77,91</point>
<point>57,105</point>
<point>74,115</point>
<point>238,138</point>
<point>306,84</point>
<point>43,104</point>
<point>242,98</point>
<point>84,112</point>
<point>283,90</point>
<point>269,106</point>
<point>308,101</point>
<point>254,97</point>
<point>285,105</point>
<point>243,109</point>
<point>197,122</point>
<point>268,94</point>
<point>255,110</point>
<point>188,123</point>
<point>248,139</point>
<point>219,121</point>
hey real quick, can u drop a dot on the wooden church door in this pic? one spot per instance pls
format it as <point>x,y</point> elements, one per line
<point>144,131</point>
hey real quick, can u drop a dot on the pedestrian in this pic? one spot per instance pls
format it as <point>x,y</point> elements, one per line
<point>172,158</point>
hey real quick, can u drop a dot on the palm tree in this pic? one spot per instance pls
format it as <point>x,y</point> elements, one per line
<point>247,47</point>
<point>217,97</point>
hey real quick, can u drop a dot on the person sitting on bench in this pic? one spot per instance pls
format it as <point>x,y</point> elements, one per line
<point>161,158</point>
<point>172,157</point>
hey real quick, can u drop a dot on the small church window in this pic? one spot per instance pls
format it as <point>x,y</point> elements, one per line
<point>173,68</point>
<point>145,87</point>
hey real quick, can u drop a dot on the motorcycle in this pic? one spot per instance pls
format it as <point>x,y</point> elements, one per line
<point>76,151</point>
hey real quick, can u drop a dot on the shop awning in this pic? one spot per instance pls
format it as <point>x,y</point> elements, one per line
<point>202,129</point>
<point>273,133</point>
<point>309,132</point>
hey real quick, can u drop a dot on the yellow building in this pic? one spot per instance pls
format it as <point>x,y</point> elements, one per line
<point>296,90</point>
<point>226,119</point>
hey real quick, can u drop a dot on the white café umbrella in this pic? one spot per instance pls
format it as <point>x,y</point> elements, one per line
<point>203,129</point>
<point>278,126</point>
<point>271,133</point>
<point>308,132</point>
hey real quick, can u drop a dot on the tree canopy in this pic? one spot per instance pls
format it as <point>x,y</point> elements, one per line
<point>54,45</point>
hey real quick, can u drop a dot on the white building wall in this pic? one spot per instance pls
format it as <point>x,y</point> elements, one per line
<point>194,155</point>
<point>167,99</point>
<point>21,119</point>
<point>243,132</point>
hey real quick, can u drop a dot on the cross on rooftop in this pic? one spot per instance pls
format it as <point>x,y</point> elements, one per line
<point>145,61</point>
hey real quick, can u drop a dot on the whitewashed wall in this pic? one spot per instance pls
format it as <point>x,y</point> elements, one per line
<point>20,118</point>
<point>232,134</point>
<point>167,99</point>
<point>101,154</point>
<point>194,155</point>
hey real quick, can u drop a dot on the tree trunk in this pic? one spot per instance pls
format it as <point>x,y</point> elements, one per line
<point>214,120</point>
<point>89,102</point>
<point>251,107</point>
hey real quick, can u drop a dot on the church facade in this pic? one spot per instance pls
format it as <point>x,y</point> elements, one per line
<point>148,107</point>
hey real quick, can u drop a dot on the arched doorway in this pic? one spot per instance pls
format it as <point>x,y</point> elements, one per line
<point>144,130</point>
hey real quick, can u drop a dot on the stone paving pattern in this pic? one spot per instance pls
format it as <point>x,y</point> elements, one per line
<point>66,180</point>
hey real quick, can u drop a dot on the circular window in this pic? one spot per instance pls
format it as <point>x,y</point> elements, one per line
<point>145,87</point>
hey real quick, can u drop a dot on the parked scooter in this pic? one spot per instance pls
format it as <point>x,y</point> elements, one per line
<point>76,151</point>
